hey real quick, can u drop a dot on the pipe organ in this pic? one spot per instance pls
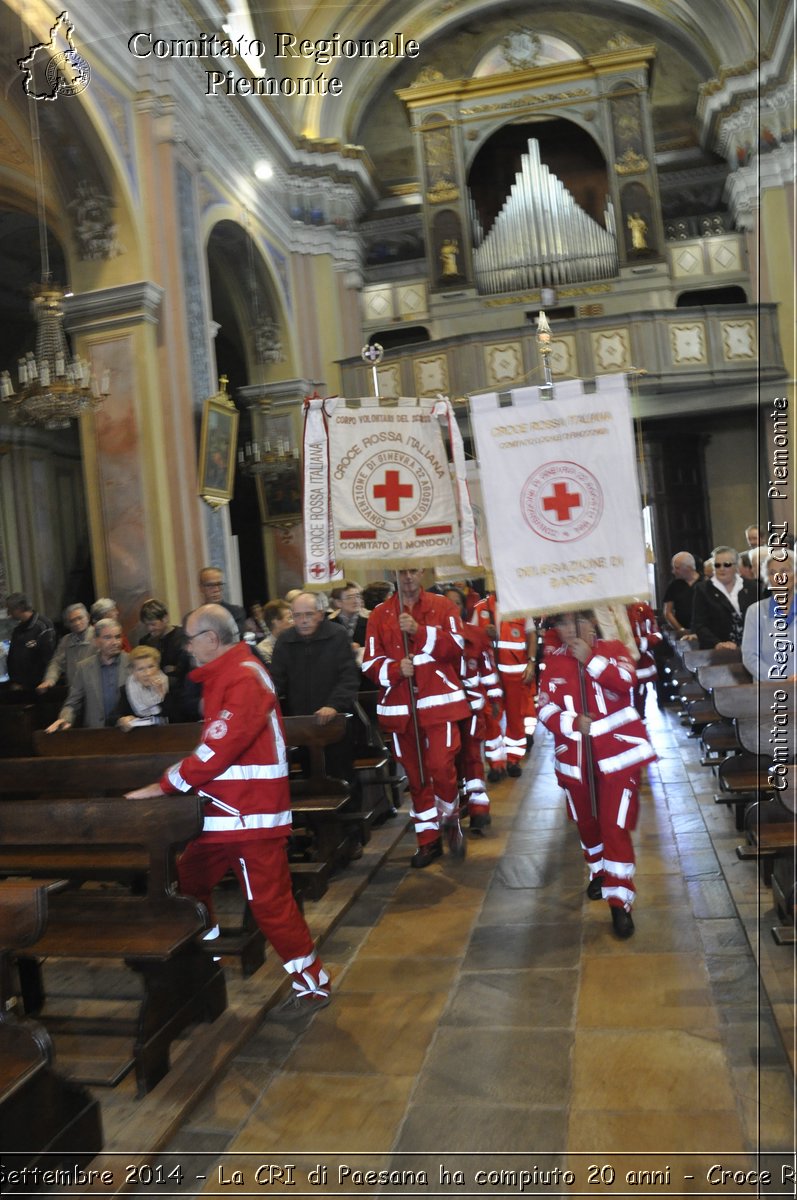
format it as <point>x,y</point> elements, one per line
<point>541,237</point>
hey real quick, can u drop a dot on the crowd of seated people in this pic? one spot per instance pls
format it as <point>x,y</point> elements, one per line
<point>739,603</point>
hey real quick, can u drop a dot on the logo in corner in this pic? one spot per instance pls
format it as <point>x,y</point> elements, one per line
<point>49,71</point>
<point>561,501</point>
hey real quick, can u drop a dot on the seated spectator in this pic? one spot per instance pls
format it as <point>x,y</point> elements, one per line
<point>746,569</point>
<point>93,699</point>
<point>104,608</point>
<point>211,585</point>
<point>314,671</point>
<point>679,597</point>
<point>350,617</point>
<point>768,642</point>
<point>72,648</point>
<point>721,602</point>
<point>144,699</point>
<point>376,593</point>
<point>32,643</point>
<point>278,617</point>
<point>258,621</point>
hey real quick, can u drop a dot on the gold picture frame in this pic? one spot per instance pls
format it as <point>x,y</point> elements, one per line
<point>217,448</point>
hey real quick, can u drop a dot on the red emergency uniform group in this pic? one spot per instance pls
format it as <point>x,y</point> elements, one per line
<point>455,690</point>
<point>461,680</point>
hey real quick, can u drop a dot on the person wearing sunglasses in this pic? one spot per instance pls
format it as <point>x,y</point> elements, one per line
<point>721,602</point>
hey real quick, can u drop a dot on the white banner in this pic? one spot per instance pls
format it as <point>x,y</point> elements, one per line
<point>561,497</point>
<point>379,486</point>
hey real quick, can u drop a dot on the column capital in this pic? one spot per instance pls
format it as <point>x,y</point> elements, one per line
<point>115,307</point>
<point>281,394</point>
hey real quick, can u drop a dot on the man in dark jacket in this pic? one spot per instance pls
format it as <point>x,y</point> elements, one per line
<point>32,643</point>
<point>314,671</point>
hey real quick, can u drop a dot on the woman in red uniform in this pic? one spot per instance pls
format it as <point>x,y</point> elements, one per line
<point>587,702</point>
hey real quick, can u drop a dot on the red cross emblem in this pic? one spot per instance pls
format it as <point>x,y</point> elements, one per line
<point>316,570</point>
<point>561,501</point>
<point>392,492</point>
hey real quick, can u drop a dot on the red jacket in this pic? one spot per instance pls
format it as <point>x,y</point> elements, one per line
<point>618,736</point>
<point>646,635</point>
<point>511,652</point>
<point>241,765</point>
<point>436,651</point>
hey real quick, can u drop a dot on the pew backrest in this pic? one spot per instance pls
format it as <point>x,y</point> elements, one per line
<point>100,827</point>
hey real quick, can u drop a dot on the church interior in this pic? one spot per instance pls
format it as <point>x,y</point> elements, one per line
<point>222,207</point>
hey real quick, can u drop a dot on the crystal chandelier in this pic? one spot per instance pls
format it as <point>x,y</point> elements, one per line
<point>268,458</point>
<point>55,387</point>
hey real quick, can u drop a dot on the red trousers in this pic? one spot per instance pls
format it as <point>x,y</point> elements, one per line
<point>606,838</point>
<point>470,766</point>
<point>517,706</point>
<point>437,796</point>
<point>261,866</point>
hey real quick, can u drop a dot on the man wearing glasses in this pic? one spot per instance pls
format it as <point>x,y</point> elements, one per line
<point>241,769</point>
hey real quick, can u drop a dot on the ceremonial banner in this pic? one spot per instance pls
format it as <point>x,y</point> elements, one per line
<point>561,497</point>
<point>379,486</point>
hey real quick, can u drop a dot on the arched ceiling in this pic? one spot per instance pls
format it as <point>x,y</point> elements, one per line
<point>700,38</point>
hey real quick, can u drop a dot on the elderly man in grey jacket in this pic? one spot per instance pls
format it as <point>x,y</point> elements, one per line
<point>72,648</point>
<point>93,699</point>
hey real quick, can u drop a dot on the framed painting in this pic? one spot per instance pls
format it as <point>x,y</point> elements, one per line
<point>217,448</point>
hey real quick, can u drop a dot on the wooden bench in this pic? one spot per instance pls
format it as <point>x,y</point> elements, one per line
<point>718,737</point>
<point>784,870</point>
<point>321,812</point>
<point>93,776</point>
<point>158,935</point>
<point>41,1113</point>
<point>318,802</point>
<point>21,714</point>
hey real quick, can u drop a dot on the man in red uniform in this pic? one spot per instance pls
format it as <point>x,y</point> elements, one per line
<point>586,694</point>
<point>514,657</point>
<point>647,635</point>
<point>414,639</point>
<point>241,769</point>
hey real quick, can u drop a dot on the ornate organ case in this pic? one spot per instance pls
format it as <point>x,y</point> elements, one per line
<point>541,237</point>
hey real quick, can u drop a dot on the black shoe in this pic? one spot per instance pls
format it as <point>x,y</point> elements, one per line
<point>622,921</point>
<point>305,1005</point>
<point>479,822</point>
<point>514,770</point>
<point>455,839</point>
<point>595,887</point>
<point>425,855</point>
<point>495,775</point>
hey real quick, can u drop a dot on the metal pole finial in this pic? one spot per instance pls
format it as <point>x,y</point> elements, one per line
<point>373,354</point>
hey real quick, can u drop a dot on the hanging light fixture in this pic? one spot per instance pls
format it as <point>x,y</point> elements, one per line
<point>54,386</point>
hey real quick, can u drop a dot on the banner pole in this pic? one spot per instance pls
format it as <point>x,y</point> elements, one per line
<point>373,354</point>
<point>544,343</point>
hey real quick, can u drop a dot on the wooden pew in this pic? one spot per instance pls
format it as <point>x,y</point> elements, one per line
<point>41,1113</point>
<point>157,935</point>
<point>318,802</point>
<point>322,809</point>
<point>22,713</point>
<point>93,776</point>
<point>784,887</point>
<point>718,737</point>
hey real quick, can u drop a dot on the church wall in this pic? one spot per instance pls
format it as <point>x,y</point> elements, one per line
<point>731,477</point>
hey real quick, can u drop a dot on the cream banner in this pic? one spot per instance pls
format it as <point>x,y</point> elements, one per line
<point>561,497</point>
<point>380,486</point>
